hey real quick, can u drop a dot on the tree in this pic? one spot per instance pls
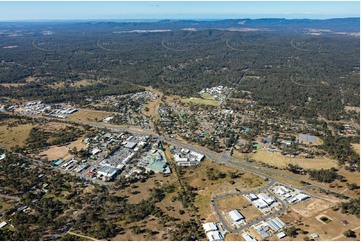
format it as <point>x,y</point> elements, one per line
<point>349,233</point>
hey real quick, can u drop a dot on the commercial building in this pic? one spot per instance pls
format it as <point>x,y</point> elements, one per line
<point>265,198</point>
<point>107,172</point>
<point>301,197</point>
<point>236,216</point>
<point>215,236</point>
<point>281,235</point>
<point>248,237</point>
<point>210,227</point>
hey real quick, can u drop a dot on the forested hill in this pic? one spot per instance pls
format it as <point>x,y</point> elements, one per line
<point>339,24</point>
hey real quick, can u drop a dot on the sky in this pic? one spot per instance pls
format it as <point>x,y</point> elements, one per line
<point>70,10</point>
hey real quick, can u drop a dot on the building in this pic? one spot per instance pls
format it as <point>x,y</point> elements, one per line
<point>2,224</point>
<point>199,157</point>
<point>265,198</point>
<point>314,236</point>
<point>95,151</point>
<point>155,161</point>
<point>281,235</point>
<point>259,203</point>
<point>248,237</point>
<point>210,227</point>
<point>2,157</point>
<point>281,190</point>
<point>262,231</point>
<point>253,196</point>
<point>130,145</point>
<point>214,236</point>
<point>80,168</point>
<point>236,216</point>
<point>292,200</point>
<point>276,224</point>
<point>107,172</point>
<point>300,197</point>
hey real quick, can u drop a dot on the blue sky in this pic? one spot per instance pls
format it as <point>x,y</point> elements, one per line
<point>177,10</point>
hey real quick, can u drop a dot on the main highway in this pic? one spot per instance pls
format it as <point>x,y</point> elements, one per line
<point>221,159</point>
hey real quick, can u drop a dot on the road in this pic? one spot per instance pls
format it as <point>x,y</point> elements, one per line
<point>221,158</point>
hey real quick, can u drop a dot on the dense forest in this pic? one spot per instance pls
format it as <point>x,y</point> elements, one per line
<point>282,62</point>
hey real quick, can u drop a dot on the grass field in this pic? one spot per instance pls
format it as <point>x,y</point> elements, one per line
<point>86,115</point>
<point>12,136</point>
<point>207,96</point>
<point>276,159</point>
<point>356,147</point>
<point>201,101</point>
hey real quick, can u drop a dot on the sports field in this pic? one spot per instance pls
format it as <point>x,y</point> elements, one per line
<point>201,101</point>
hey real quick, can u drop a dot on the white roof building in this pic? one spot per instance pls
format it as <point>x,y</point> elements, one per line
<point>281,235</point>
<point>302,197</point>
<point>178,158</point>
<point>248,237</point>
<point>265,198</point>
<point>210,227</point>
<point>253,196</point>
<point>281,190</point>
<point>214,236</point>
<point>108,172</point>
<point>236,216</point>
<point>198,156</point>
<point>130,145</point>
<point>259,203</point>
<point>2,157</point>
<point>95,151</point>
<point>2,224</point>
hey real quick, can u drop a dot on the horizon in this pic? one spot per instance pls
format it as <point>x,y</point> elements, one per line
<point>186,10</point>
<point>161,19</point>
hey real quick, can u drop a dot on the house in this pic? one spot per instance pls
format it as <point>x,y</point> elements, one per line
<point>236,216</point>
<point>248,237</point>
<point>107,172</point>
<point>210,227</point>
<point>2,157</point>
<point>265,198</point>
<point>214,236</point>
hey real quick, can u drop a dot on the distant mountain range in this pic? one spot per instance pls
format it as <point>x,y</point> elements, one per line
<point>273,24</point>
<point>338,24</point>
